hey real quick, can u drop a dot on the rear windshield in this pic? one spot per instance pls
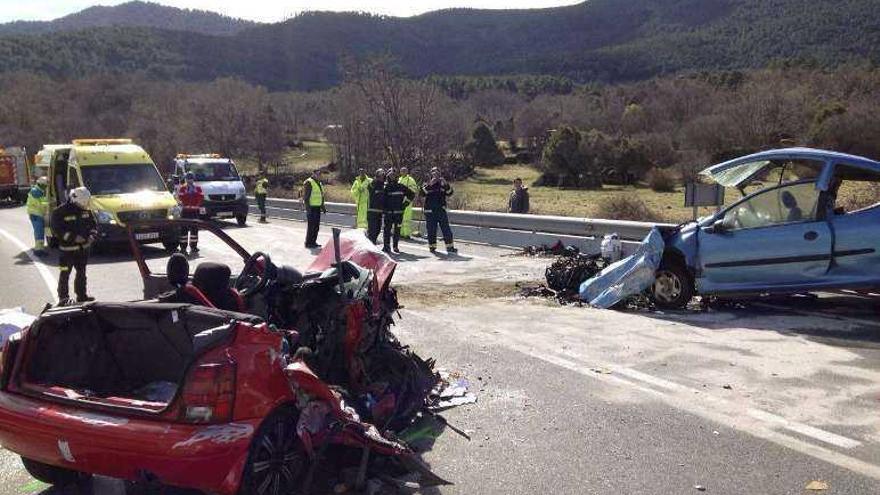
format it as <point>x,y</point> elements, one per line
<point>213,171</point>
<point>120,179</point>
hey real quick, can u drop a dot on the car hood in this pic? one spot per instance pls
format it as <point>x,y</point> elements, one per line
<point>221,187</point>
<point>143,200</point>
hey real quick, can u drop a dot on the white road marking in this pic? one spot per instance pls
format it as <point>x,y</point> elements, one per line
<point>755,422</point>
<point>41,267</point>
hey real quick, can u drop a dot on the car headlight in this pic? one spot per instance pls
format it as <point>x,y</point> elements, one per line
<point>174,212</point>
<point>104,217</point>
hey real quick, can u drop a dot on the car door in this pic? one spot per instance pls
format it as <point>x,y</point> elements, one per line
<point>775,239</point>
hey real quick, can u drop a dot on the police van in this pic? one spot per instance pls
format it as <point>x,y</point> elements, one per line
<point>124,183</point>
<point>222,186</point>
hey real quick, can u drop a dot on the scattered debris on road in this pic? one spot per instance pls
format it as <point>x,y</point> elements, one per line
<point>817,486</point>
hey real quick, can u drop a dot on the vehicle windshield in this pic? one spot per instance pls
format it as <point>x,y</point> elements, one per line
<point>121,179</point>
<point>210,171</point>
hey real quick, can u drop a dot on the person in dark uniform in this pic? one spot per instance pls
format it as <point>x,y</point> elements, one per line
<point>313,200</point>
<point>376,208</point>
<point>76,229</point>
<point>397,197</point>
<point>436,190</point>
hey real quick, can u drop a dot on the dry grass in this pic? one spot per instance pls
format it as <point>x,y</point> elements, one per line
<point>312,155</point>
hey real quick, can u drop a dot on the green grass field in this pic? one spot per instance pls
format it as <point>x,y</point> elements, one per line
<point>312,155</point>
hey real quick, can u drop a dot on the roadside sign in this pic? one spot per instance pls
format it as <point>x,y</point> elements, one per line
<point>697,194</point>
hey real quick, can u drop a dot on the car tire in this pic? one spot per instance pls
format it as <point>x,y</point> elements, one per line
<point>53,475</point>
<point>673,287</point>
<point>277,456</point>
<point>241,219</point>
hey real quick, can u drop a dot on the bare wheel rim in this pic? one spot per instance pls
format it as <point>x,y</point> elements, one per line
<point>667,286</point>
<point>279,460</point>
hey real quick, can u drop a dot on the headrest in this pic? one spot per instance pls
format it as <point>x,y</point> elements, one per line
<point>288,275</point>
<point>211,277</point>
<point>177,270</point>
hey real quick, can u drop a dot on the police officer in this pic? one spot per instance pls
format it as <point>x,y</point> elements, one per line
<point>261,190</point>
<point>397,197</point>
<point>76,229</point>
<point>38,209</point>
<point>191,200</point>
<point>436,190</point>
<point>407,180</point>
<point>313,199</point>
<point>376,205</point>
<point>360,193</point>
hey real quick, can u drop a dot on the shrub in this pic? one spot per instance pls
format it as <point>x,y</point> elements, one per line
<point>625,207</point>
<point>483,149</point>
<point>661,180</point>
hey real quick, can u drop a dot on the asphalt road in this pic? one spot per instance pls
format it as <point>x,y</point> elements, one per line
<point>760,398</point>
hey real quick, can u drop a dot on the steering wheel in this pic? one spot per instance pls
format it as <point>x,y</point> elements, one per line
<point>255,275</point>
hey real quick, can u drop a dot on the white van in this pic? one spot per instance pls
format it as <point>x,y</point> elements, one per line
<point>222,186</point>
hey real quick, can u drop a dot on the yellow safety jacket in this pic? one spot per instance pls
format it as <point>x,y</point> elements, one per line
<point>262,186</point>
<point>316,196</point>
<point>37,202</point>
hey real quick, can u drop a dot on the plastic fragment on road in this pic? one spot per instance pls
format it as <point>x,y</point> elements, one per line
<point>451,391</point>
<point>628,277</point>
<point>12,321</point>
<point>816,486</point>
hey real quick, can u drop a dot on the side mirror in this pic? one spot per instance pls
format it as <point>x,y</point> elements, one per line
<point>717,227</point>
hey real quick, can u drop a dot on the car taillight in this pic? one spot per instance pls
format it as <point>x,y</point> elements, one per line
<point>209,393</point>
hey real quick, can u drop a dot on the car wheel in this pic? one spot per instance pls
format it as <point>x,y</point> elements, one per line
<point>277,462</point>
<point>673,287</point>
<point>241,219</point>
<point>54,475</point>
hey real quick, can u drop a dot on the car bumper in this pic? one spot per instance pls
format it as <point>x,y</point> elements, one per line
<point>115,233</point>
<point>228,209</point>
<point>206,458</point>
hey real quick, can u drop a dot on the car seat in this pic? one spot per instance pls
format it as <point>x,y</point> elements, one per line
<point>212,279</point>
<point>177,274</point>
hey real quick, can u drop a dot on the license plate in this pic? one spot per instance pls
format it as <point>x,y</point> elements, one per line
<point>146,236</point>
<point>203,211</point>
<point>225,214</point>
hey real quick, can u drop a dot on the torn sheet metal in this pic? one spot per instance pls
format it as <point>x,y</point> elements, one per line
<point>627,277</point>
<point>12,321</point>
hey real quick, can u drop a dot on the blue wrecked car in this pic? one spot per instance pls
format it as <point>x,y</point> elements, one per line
<point>808,220</point>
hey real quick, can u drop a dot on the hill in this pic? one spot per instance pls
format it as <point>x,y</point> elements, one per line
<point>134,14</point>
<point>599,40</point>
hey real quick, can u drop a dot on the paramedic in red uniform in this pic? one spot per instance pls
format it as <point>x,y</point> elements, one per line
<point>191,199</point>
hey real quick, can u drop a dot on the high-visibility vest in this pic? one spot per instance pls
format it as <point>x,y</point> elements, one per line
<point>317,196</point>
<point>409,182</point>
<point>37,202</point>
<point>262,186</point>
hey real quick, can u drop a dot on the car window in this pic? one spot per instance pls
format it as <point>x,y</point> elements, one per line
<point>788,204</point>
<point>854,189</point>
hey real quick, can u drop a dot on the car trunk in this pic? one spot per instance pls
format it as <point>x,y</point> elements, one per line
<point>131,355</point>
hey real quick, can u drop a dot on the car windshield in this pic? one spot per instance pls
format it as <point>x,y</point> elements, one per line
<point>120,179</point>
<point>209,171</point>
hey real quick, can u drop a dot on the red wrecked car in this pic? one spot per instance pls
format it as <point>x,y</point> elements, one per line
<point>225,384</point>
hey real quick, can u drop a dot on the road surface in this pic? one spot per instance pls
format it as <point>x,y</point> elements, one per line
<point>758,399</point>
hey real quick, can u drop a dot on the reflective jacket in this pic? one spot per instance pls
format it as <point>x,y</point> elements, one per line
<point>410,182</point>
<point>190,198</point>
<point>436,192</point>
<point>37,202</point>
<point>397,197</point>
<point>376,190</point>
<point>74,227</point>
<point>313,193</point>
<point>262,187</point>
<point>360,192</point>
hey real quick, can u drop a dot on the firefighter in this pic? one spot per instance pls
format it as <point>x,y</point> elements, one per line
<point>75,227</point>
<point>407,180</point>
<point>38,209</point>
<point>397,198</point>
<point>191,199</point>
<point>261,190</point>
<point>376,205</point>
<point>436,190</point>
<point>360,192</point>
<point>313,199</point>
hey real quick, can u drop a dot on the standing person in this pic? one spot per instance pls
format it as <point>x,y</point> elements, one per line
<point>261,190</point>
<point>397,198</point>
<point>361,194</point>
<point>38,209</point>
<point>436,190</point>
<point>76,229</point>
<point>407,180</point>
<point>313,199</point>
<point>518,201</point>
<point>376,205</point>
<point>191,200</point>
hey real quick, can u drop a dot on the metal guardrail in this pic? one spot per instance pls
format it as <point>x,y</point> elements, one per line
<point>569,226</point>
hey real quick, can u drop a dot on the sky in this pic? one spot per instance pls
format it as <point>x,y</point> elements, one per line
<point>265,10</point>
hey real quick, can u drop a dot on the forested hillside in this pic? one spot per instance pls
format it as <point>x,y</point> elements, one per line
<point>599,40</point>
